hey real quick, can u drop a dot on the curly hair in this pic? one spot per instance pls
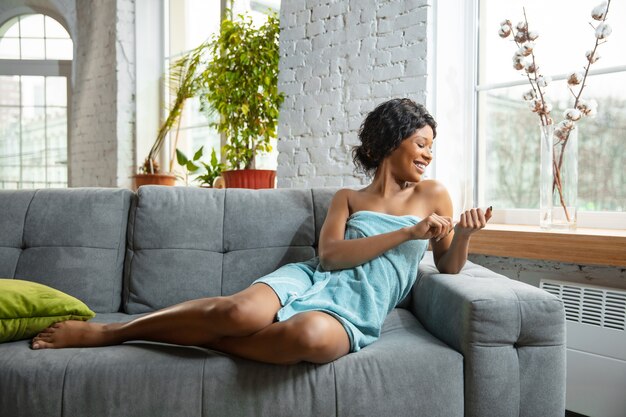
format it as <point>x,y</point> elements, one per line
<point>385,128</point>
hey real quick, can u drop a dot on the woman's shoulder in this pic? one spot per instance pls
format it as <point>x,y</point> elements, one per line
<point>434,195</point>
<point>430,186</point>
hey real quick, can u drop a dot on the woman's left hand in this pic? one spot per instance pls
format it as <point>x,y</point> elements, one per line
<point>472,221</point>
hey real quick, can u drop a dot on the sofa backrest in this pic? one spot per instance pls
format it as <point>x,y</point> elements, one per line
<point>70,239</point>
<point>186,243</point>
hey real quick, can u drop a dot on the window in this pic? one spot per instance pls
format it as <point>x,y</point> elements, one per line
<point>507,130</point>
<point>487,135</point>
<point>187,24</point>
<point>35,64</point>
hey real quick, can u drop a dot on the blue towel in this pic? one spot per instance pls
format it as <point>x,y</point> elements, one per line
<point>360,297</point>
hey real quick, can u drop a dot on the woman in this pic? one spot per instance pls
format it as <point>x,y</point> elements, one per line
<point>369,249</point>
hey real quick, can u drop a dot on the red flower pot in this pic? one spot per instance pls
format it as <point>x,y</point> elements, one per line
<point>250,178</point>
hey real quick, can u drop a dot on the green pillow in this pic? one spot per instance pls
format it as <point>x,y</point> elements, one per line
<point>26,308</point>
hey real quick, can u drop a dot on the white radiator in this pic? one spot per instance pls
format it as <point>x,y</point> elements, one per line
<point>596,347</point>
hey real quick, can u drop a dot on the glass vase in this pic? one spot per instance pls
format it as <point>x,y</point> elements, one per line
<point>559,179</point>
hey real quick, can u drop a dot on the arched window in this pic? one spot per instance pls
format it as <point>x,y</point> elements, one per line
<point>35,66</point>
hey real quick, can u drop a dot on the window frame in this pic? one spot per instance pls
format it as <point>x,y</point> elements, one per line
<point>466,16</point>
<point>43,68</point>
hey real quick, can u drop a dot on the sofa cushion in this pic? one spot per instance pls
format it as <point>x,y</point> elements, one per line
<point>13,206</point>
<point>187,243</point>
<point>406,367</point>
<point>174,247</point>
<point>26,308</point>
<point>70,239</point>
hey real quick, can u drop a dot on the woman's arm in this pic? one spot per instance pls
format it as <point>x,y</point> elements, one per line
<point>450,253</point>
<point>337,253</point>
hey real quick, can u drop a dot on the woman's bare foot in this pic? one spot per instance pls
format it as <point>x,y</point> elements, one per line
<point>73,333</point>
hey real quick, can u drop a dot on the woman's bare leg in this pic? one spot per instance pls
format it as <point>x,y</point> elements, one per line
<point>195,322</point>
<point>311,337</point>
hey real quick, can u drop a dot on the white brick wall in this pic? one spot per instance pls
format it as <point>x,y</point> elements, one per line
<point>125,103</point>
<point>532,271</point>
<point>102,122</point>
<point>339,59</point>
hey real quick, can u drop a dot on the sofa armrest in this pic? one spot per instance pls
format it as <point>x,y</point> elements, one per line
<point>511,335</point>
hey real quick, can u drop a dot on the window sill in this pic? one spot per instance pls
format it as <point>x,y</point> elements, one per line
<point>582,246</point>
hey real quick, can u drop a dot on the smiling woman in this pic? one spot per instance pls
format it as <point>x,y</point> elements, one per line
<point>386,129</point>
<point>370,245</point>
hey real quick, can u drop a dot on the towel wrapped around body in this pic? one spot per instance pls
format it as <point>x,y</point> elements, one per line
<point>360,297</point>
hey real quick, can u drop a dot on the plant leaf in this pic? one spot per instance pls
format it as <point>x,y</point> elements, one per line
<point>198,154</point>
<point>191,167</point>
<point>181,158</point>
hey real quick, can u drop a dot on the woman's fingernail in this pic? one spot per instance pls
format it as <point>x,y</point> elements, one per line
<point>490,208</point>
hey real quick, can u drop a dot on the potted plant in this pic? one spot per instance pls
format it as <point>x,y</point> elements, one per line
<point>240,83</point>
<point>212,170</point>
<point>184,83</point>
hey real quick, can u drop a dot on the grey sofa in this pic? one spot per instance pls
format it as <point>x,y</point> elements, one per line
<point>473,344</point>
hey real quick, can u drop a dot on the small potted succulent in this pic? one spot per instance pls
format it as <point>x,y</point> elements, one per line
<point>240,83</point>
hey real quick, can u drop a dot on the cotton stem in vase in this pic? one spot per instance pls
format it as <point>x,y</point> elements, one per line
<point>524,60</point>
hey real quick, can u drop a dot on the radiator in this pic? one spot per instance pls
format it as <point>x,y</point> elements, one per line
<point>596,347</point>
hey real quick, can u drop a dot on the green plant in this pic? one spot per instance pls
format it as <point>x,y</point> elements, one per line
<point>184,82</point>
<point>240,83</point>
<point>191,166</point>
<point>212,170</point>
<point>188,165</point>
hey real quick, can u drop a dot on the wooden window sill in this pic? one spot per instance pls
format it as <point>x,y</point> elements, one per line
<point>582,246</point>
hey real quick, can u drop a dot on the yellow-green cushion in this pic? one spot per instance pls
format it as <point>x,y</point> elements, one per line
<point>26,308</point>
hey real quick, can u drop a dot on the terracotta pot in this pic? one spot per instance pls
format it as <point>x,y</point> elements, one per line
<point>154,179</point>
<point>250,178</point>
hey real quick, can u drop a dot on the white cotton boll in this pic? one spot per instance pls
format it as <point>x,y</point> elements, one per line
<point>505,22</point>
<point>592,56</point>
<point>504,31</point>
<point>522,26</point>
<point>527,48</point>
<point>561,134</point>
<point>565,125</point>
<point>599,11</point>
<point>575,78</point>
<point>603,30</point>
<point>518,61</point>
<point>535,105</point>
<point>573,114</point>
<point>524,51</point>
<point>547,108</point>
<point>587,108</point>
<point>532,35</point>
<point>529,67</point>
<point>521,36</point>
<point>529,95</point>
<point>592,106</point>
<point>543,81</point>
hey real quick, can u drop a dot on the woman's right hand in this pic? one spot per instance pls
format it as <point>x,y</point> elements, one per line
<point>432,227</point>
